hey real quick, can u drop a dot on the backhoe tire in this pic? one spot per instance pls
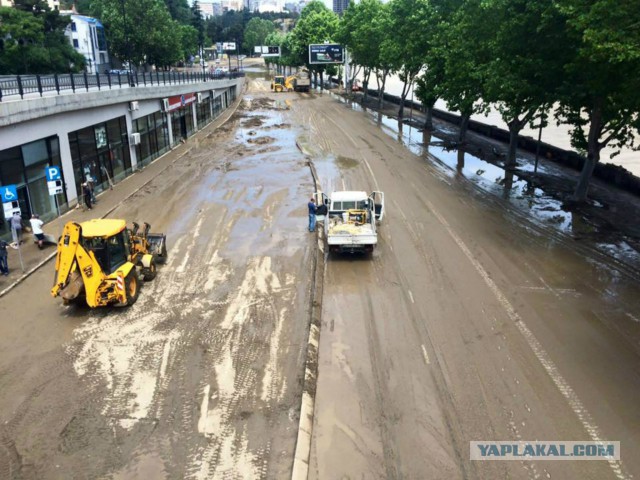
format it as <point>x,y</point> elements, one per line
<point>131,287</point>
<point>150,273</point>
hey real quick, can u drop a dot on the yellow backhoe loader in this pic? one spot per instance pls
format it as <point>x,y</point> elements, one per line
<point>99,260</point>
<point>277,85</point>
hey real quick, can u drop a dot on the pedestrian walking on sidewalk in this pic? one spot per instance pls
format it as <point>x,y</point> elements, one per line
<point>4,266</point>
<point>312,214</point>
<point>16,225</point>
<point>86,193</point>
<point>36,228</point>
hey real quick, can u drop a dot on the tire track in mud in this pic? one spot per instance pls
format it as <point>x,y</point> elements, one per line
<point>194,368</point>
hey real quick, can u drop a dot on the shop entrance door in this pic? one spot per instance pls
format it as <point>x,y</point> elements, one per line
<point>25,202</point>
<point>183,125</point>
<point>106,170</point>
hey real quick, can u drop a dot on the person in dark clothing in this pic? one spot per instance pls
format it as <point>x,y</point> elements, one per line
<point>86,193</point>
<point>312,214</point>
<point>4,266</point>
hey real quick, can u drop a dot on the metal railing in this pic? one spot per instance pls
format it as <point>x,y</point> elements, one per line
<point>27,84</point>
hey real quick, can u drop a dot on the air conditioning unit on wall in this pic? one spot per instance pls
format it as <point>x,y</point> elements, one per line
<point>199,97</point>
<point>165,104</point>
<point>133,106</point>
<point>135,139</point>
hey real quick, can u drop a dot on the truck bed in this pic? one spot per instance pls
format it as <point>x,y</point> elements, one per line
<point>350,236</point>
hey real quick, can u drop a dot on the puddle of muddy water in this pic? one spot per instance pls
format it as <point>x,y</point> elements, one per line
<point>346,162</point>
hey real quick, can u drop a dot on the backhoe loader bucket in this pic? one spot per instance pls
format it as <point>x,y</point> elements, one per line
<point>158,246</point>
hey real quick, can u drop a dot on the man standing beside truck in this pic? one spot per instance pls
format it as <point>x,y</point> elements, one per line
<point>312,214</point>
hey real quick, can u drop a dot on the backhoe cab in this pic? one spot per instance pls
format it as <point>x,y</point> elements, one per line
<point>99,259</point>
<point>278,83</point>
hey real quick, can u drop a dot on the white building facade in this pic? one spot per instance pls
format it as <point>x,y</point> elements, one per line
<point>87,37</point>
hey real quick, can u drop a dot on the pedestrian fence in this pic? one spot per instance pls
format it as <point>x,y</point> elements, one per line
<point>11,86</point>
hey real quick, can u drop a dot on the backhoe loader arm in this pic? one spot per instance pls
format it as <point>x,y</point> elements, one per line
<point>67,247</point>
<point>72,254</point>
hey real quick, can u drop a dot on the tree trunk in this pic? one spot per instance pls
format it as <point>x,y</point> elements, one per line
<point>514,131</point>
<point>403,96</point>
<point>428,120</point>
<point>321,80</point>
<point>460,164</point>
<point>381,91</point>
<point>365,84</point>
<point>464,126</point>
<point>593,153</point>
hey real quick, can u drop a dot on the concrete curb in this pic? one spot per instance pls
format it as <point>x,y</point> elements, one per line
<point>305,427</point>
<point>46,260</point>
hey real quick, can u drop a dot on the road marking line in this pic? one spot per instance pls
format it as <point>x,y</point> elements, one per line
<point>543,357</point>
<point>204,410</point>
<point>411,296</point>
<point>424,354</point>
<point>372,175</point>
<point>632,317</point>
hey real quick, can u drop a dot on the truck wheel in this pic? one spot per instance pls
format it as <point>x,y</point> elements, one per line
<point>150,273</point>
<point>131,287</point>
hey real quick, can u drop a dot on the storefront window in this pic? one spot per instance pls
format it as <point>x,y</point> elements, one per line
<point>25,167</point>
<point>11,166</point>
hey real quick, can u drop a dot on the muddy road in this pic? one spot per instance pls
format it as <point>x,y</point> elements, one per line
<point>201,378</point>
<point>469,322</point>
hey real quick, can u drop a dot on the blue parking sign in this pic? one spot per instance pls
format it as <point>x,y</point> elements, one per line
<point>8,193</point>
<point>53,173</point>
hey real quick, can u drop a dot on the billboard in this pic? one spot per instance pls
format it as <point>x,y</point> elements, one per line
<point>229,46</point>
<point>327,54</point>
<point>270,51</point>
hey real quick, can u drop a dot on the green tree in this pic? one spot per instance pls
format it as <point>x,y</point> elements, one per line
<point>179,11</point>
<point>197,22</point>
<point>256,33</point>
<point>601,98</point>
<point>527,54</point>
<point>407,41</point>
<point>317,24</point>
<point>462,51</point>
<point>33,41</point>
<point>360,30</point>
<point>154,31</point>
<point>188,41</point>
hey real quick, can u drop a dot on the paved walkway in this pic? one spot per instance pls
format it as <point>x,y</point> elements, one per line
<point>34,258</point>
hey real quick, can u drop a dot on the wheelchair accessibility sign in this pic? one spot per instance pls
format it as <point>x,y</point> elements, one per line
<point>8,193</point>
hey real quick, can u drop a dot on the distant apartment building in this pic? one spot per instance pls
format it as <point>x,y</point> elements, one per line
<point>269,6</point>
<point>207,9</point>
<point>6,3</point>
<point>340,6</point>
<point>87,36</point>
<point>228,5</point>
<point>295,7</point>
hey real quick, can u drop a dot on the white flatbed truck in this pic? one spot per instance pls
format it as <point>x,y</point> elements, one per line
<point>350,219</point>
